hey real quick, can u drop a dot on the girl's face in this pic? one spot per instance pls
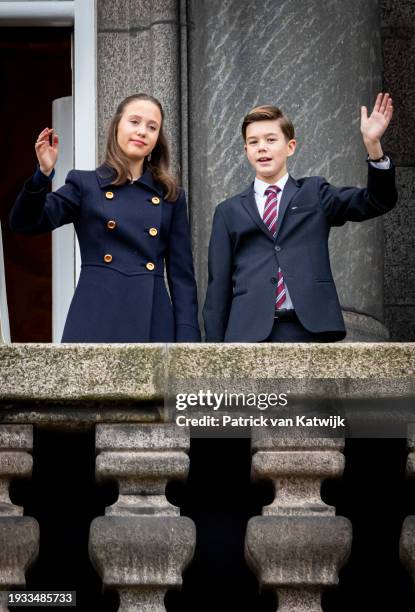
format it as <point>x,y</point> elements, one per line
<point>138,129</point>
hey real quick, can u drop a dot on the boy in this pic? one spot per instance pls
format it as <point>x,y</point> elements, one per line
<point>269,270</point>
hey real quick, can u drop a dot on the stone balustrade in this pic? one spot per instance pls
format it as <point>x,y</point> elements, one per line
<point>142,544</point>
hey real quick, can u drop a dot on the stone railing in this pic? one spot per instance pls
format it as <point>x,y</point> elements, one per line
<point>142,544</point>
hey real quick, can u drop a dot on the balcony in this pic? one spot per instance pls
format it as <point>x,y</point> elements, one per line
<point>142,544</point>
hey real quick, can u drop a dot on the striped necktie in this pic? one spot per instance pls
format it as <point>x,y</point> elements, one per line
<point>270,217</point>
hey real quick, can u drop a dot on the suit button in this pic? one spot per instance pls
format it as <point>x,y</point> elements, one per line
<point>152,231</point>
<point>109,195</point>
<point>108,258</point>
<point>150,266</point>
<point>274,280</point>
<point>278,249</point>
<point>155,200</point>
<point>111,224</point>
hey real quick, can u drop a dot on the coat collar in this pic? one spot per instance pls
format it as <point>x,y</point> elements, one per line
<point>249,203</point>
<point>105,175</point>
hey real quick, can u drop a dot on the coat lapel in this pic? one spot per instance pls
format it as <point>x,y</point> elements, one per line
<point>291,187</point>
<point>249,203</point>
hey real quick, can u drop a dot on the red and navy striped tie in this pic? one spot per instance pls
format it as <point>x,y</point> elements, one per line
<point>270,217</point>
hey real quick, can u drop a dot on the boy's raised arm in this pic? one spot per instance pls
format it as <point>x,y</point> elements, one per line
<point>374,126</point>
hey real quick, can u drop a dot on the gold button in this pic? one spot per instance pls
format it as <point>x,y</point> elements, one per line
<point>111,224</point>
<point>108,258</point>
<point>152,231</point>
<point>155,200</point>
<point>109,195</point>
<point>150,266</point>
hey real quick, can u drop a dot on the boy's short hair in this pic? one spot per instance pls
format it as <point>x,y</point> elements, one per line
<point>269,113</point>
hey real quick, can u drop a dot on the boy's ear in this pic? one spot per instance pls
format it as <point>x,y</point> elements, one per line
<point>245,148</point>
<point>291,146</point>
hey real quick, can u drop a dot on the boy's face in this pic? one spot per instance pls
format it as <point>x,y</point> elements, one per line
<point>267,150</point>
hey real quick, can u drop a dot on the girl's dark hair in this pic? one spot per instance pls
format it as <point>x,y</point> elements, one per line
<point>160,155</point>
<point>266,113</point>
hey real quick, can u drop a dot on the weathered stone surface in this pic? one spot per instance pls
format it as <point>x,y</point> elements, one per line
<point>82,372</point>
<point>119,374</point>
<point>142,459</point>
<point>15,462</point>
<point>264,439</point>
<point>142,544</point>
<point>141,437</point>
<point>295,553</point>
<point>141,550</point>
<point>297,477</point>
<point>362,328</point>
<point>327,371</point>
<point>147,468</point>
<point>298,544</point>
<point>19,545</point>
<point>19,535</point>
<point>146,599</point>
<point>16,437</point>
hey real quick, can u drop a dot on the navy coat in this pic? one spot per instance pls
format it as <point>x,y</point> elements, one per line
<point>128,236</point>
<point>244,257</point>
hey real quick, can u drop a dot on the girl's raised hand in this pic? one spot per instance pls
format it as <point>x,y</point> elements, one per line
<point>47,153</point>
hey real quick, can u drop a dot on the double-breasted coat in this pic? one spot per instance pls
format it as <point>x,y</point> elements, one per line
<point>129,235</point>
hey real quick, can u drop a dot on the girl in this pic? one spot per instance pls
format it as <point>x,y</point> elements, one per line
<point>131,221</point>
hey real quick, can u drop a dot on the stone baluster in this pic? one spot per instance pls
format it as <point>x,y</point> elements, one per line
<point>407,541</point>
<point>19,535</point>
<point>298,544</point>
<point>142,544</point>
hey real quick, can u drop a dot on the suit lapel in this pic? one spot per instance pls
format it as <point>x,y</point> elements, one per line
<point>249,203</point>
<point>288,193</point>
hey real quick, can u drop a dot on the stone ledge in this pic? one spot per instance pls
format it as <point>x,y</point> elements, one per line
<point>138,373</point>
<point>82,372</point>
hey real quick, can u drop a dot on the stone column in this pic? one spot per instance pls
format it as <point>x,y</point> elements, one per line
<point>139,51</point>
<point>19,535</point>
<point>141,546</point>
<point>298,544</point>
<point>318,61</point>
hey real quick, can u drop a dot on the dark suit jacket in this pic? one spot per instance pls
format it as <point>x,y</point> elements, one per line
<point>244,257</point>
<point>120,298</point>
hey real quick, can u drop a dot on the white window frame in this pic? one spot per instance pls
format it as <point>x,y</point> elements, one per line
<point>81,14</point>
